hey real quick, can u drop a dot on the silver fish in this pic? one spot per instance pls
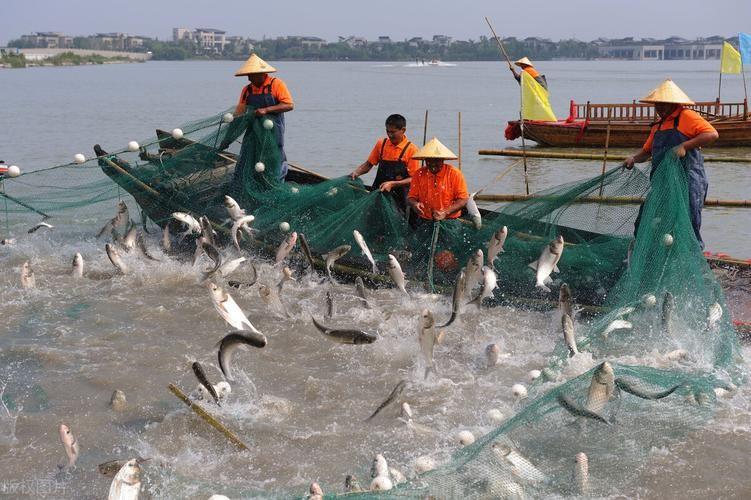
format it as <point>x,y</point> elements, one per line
<point>204,380</point>
<point>520,465</point>
<point>578,411</point>
<point>231,342</point>
<point>329,306</point>
<point>333,256</point>
<point>233,208</point>
<point>393,396</point>
<point>565,301</point>
<point>365,250</point>
<point>379,467</point>
<point>346,336</point>
<point>473,211</point>
<point>457,300</point>
<point>286,276</point>
<point>271,297</point>
<point>111,468</point>
<point>193,226</point>
<point>166,238</point>
<point>243,223</point>
<point>495,245</point>
<point>548,263</point>
<point>128,242</point>
<point>118,220</point>
<point>70,444</point>
<point>212,253</point>
<point>489,283</point>
<point>492,354</point>
<point>581,474</point>
<point>668,306</point>
<point>207,232</point>
<point>228,309</point>
<point>285,248</point>
<point>601,389</point>
<point>39,226</point>
<point>28,280</point>
<point>713,316</point>
<point>230,266</point>
<point>352,485</point>
<point>360,288</point>
<point>116,259</point>
<point>472,272</point>
<point>568,335</point>
<point>141,244</point>
<point>639,393</point>
<point>315,491</point>
<point>618,324</point>
<point>428,338</point>
<point>395,271</point>
<point>77,270</point>
<point>127,482</point>
<point>306,251</point>
<point>8,242</point>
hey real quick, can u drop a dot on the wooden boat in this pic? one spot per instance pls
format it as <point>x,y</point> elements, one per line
<point>587,125</point>
<point>734,274</point>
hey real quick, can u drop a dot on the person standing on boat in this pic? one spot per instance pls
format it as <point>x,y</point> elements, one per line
<point>394,156</point>
<point>438,190</point>
<point>684,131</point>
<point>526,65</point>
<point>268,96</point>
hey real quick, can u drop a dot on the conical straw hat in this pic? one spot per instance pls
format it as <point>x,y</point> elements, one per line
<point>255,64</point>
<point>669,92</point>
<point>434,149</point>
<point>524,61</point>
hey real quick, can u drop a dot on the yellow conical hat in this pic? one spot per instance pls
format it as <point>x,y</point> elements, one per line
<point>434,149</point>
<point>524,61</point>
<point>255,64</point>
<point>667,91</point>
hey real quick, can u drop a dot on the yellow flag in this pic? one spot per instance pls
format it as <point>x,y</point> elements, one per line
<point>731,59</point>
<point>535,104</point>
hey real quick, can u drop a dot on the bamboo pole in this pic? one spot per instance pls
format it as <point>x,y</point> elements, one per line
<point>212,421</point>
<point>425,129</point>
<point>524,155</point>
<point>124,172</point>
<point>614,200</point>
<point>558,155</point>
<point>605,156</point>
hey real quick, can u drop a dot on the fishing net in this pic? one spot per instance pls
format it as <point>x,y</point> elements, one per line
<point>652,294</point>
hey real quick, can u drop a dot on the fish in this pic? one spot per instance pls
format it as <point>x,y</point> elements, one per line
<point>316,492</point>
<point>393,396</point>
<point>193,226</point>
<point>601,389</point>
<point>333,256</point>
<point>395,271</point>
<point>127,482</point>
<point>111,468</point>
<point>457,299</point>
<point>565,302</point>
<point>233,208</point>
<point>346,336</point>
<point>547,263</point>
<point>668,306</point>
<point>285,248</point>
<point>116,259</point>
<point>204,380</point>
<point>713,316</point>
<point>520,465</point>
<point>128,242</point>
<point>568,335</point>
<point>495,245</point>
<point>271,297</point>
<point>629,253</point>
<point>578,411</point>
<point>28,280</point>
<point>379,467</point>
<point>223,390</point>
<point>240,224</point>
<point>39,226</point>
<point>233,341</point>
<point>70,443</point>
<point>8,242</point>
<point>118,220</point>
<point>406,414</point>
<point>652,396</point>
<point>351,484</point>
<point>141,245</point>
<point>472,272</point>
<point>428,338</point>
<point>166,238</point>
<point>286,276</point>
<point>618,324</point>
<point>144,222</point>
<point>473,211</point>
<point>329,306</point>
<point>581,474</point>
<point>118,401</point>
<point>306,250</point>
<point>360,288</point>
<point>365,250</point>
<point>211,252</point>
<point>489,283</point>
<point>207,232</point>
<point>226,268</point>
<point>228,309</point>
<point>492,354</point>
<point>239,284</point>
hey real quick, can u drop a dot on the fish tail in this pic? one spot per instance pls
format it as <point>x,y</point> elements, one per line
<point>451,320</point>
<point>543,287</point>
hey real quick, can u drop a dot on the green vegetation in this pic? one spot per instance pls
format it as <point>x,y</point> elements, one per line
<point>71,59</point>
<point>13,60</point>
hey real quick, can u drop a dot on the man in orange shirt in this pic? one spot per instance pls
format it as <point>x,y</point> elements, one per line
<point>684,131</point>
<point>393,155</point>
<point>526,65</point>
<point>438,190</point>
<point>268,96</point>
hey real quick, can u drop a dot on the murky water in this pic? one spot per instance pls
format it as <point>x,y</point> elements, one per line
<point>300,403</point>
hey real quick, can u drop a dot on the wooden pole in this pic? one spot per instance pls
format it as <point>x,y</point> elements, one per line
<point>605,156</point>
<point>460,140</point>
<point>719,88</point>
<point>524,154</point>
<point>557,155</point>
<point>124,172</point>
<point>500,44</point>
<point>425,129</point>
<point>212,421</point>
<point>614,200</point>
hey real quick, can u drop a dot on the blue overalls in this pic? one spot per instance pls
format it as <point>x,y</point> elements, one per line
<point>264,100</point>
<point>693,162</point>
<point>393,170</point>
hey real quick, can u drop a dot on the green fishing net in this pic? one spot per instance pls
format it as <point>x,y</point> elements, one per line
<point>664,276</point>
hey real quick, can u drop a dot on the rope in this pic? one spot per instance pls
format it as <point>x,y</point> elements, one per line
<point>499,176</point>
<point>433,243</point>
<point>7,223</point>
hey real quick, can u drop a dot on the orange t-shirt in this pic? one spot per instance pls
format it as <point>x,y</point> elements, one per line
<point>279,91</point>
<point>690,124</point>
<point>532,71</point>
<point>438,191</point>
<point>391,153</point>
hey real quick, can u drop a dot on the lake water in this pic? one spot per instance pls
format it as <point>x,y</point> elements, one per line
<point>67,345</point>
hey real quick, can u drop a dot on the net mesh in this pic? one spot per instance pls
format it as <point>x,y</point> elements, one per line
<point>663,288</point>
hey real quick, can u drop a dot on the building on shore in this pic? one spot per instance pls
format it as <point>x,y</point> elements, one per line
<point>48,40</point>
<point>673,48</point>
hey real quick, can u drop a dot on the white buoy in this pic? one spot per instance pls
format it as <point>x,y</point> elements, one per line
<point>494,415</point>
<point>465,438</point>
<point>14,171</point>
<point>133,146</point>
<point>218,497</point>
<point>534,374</point>
<point>424,464</point>
<point>268,124</point>
<point>649,300</point>
<point>667,240</point>
<point>228,117</point>
<point>294,190</point>
<point>260,167</point>
<point>79,158</point>
<point>284,227</point>
<point>519,391</point>
<point>177,133</point>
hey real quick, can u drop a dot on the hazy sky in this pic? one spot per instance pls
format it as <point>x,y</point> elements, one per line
<point>556,19</point>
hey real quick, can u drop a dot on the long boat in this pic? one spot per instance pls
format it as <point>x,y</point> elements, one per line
<point>628,125</point>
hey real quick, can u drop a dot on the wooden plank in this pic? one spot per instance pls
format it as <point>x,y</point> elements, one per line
<point>558,155</point>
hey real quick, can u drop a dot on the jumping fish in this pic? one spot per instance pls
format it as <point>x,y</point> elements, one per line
<point>495,245</point>
<point>329,305</point>
<point>581,474</point>
<point>112,467</point>
<point>233,208</point>
<point>520,465</point>
<point>28,280</point>
<point>141,244</point>
<point>285,248</point>
<point>713,316</point>
<point>70,444</point>
<point>473,211</point>
<point>365,250</point>
<point>360,288</point>
<point>618,324</point>
<point>207,232</point>
<point>668,306</point>
<point>240,224</point>
<point>601,389</point>
<point>193,226</point>
<point>489,283</point>
<point>395,271</point>
<point>472,271</point>
<point>393,396</point>
<point>240,284</point>
<point>228,309</point>
<point>333,256</point>
<point>166,237</point>
<point>118,220</point>
<point>39,226</point>
<point>230,266</point>
<point>548,262</point>
<point>204,380</point>
<point>316,492</point>
<point>568,335</point>
<point>128,242</point>
<point>578,411</point>
<point>306,251</point>
<point>271,297</point>
<point>286,276</point>
<point>231,342</point>
<point>565,301</point>
<point>652,396</point>
<point>428,338</point>
<point>116,259</point>
<point>492,354</point>
<point>211,252</point>
<point>77,270</point>
<point>346,336</point>
<point>127,482</point>
<point>352,485</point>
<point>457,300</point>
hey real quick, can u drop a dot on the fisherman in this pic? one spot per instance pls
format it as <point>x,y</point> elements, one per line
<point>438,191</point>
<point>526,65</point>
<point>269,97</point>
<point>684,131</point>
<point>393,155</point>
